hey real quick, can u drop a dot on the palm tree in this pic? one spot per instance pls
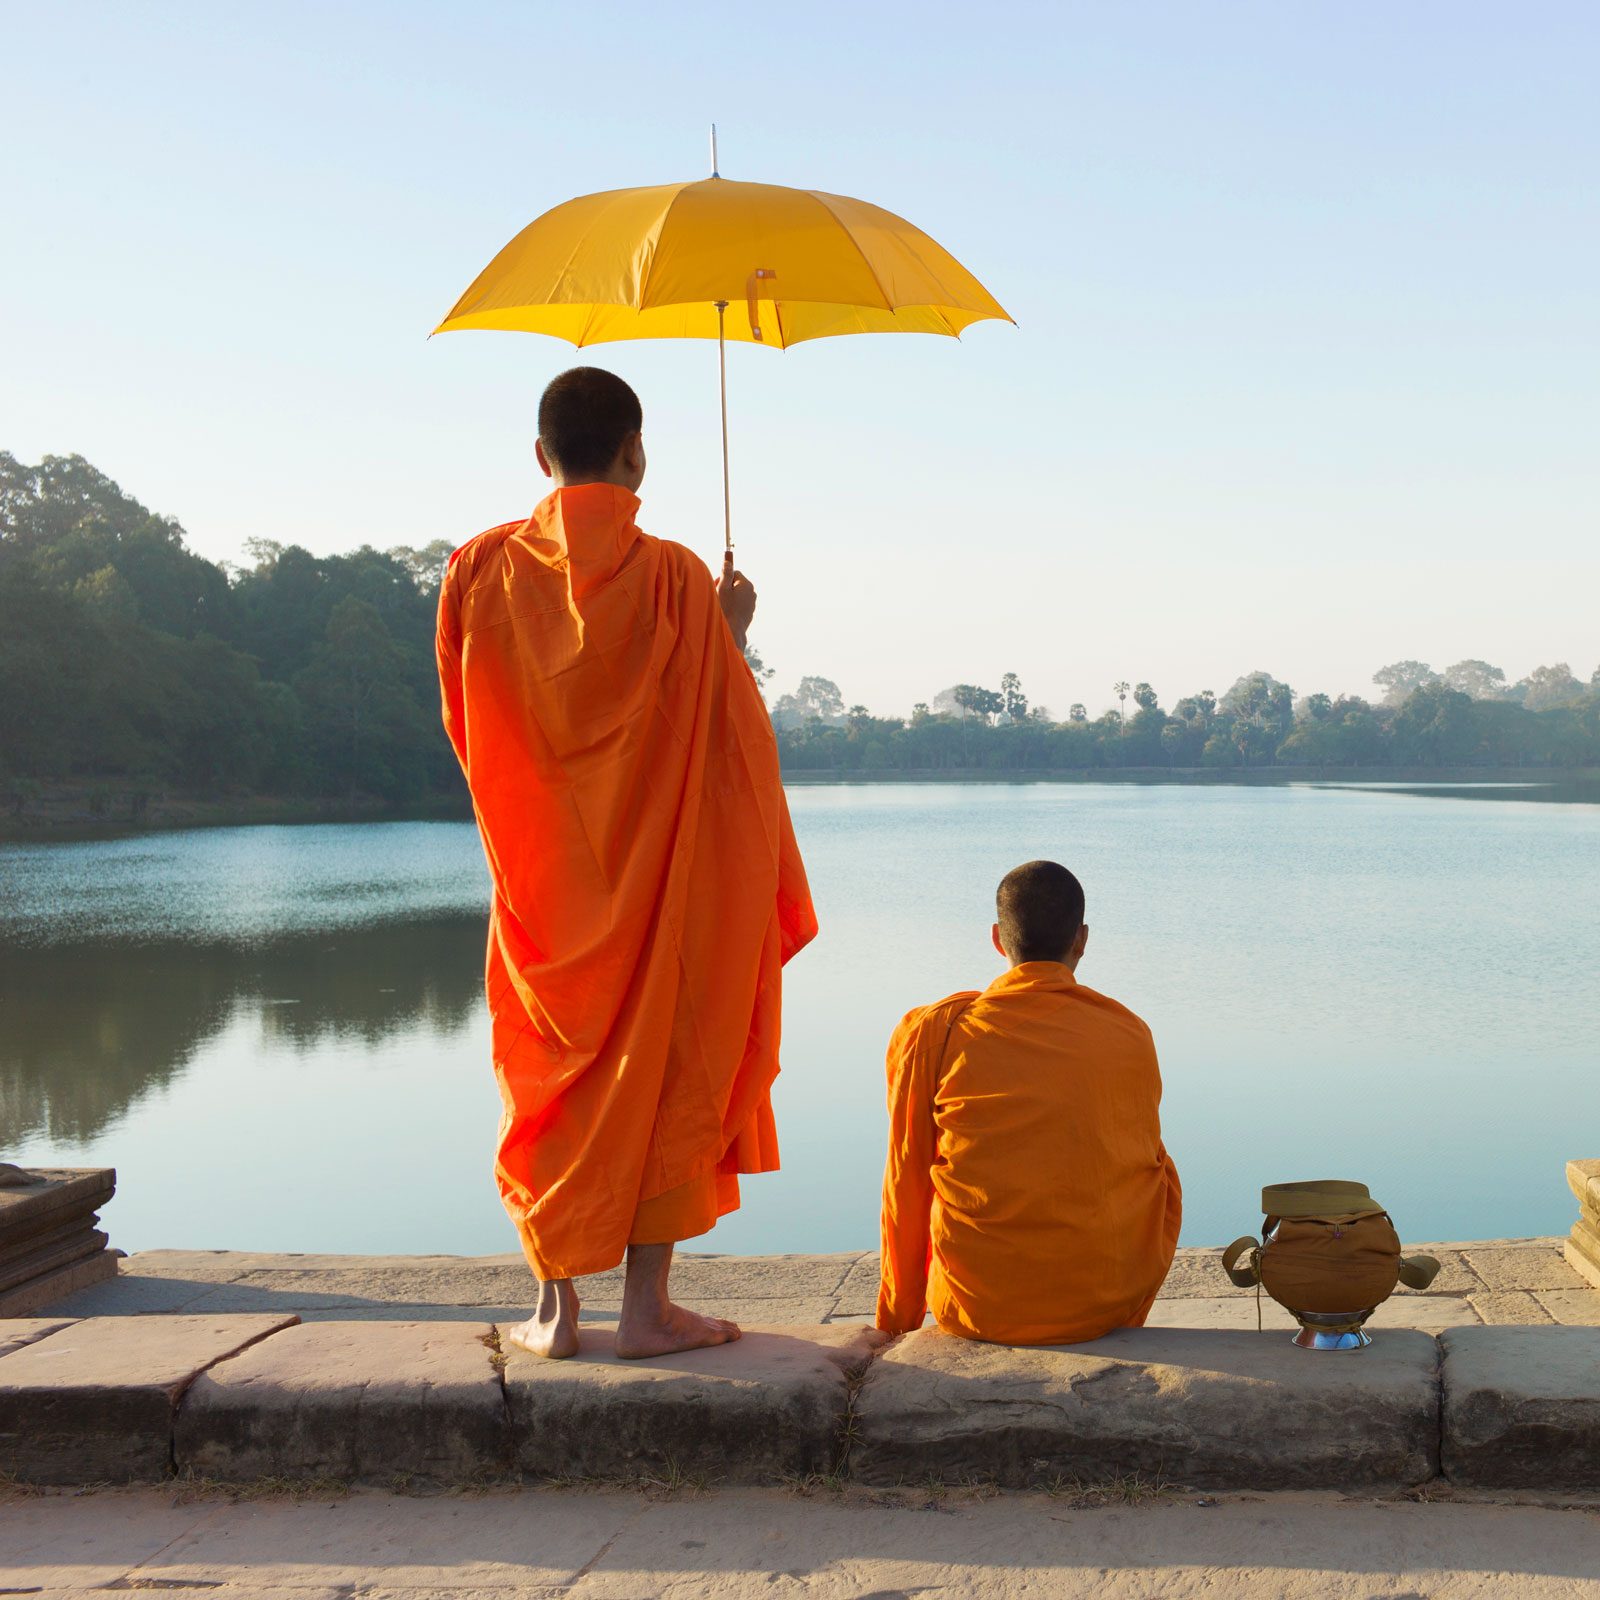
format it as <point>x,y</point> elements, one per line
<point>1120,690</point>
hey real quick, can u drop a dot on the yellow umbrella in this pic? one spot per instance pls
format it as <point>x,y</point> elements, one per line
<point>668,262</point>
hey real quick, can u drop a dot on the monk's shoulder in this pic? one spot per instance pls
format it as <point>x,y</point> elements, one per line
<point>680,560</point>
<point>1114,1013</point>
<point>939,1015</point>
<point>478,555</point>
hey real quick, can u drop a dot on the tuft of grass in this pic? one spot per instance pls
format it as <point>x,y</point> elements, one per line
<point>1125,1489</point>
<point>497,1355</point>
<point>674,1480</point>
<point>808,1484</point>
<point>192,1486</point>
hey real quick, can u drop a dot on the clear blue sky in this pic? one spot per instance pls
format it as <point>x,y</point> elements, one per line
<point>1307,376</point>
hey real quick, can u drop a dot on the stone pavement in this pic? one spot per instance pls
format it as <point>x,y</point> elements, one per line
<point>1495,1282</point>
<point>853,1545</point>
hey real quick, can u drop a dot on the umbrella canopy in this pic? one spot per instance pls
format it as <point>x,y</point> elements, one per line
<point>671,262</point>
<point>654,263</point>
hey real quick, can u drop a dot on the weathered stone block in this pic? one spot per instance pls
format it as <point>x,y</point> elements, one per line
<point>1208,1409</point>
<point>1583,1256</point>
<point>94,1403</point>
<point>1522,1407</point>
<point>1583,1178</point>
<point>53,1289</point>
<point>372,1400</point>
<point>52,1196</point>
<point>771,1405</point>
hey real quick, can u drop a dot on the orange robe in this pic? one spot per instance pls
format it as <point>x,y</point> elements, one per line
<point>647,885</point>
<point>1028,1197</point>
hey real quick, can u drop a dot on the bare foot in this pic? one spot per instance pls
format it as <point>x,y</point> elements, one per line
<point>664,1332</point>
<point>552,1330</point>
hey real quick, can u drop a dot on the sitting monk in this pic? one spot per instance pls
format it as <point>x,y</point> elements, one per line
<point>646,885</point>
<point>1028,1197</point>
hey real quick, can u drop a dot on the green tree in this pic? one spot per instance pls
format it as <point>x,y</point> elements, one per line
<point>1013,701</point>
<point>1476,678</point>
<point>1400,678</point>
<point>1547,687</point>
<point>1435,727</point>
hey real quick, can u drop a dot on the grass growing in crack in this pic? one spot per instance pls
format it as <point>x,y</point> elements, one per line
<point>192,1486</point>
<point>674,1480</point>
<point>1126,1489</point>
<point>809,1484</point>
<point>497,1355</point>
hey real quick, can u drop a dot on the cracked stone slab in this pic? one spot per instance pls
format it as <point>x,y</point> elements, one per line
<point>1578,1308</point>
<point>1211,1409</point>
<point>1522,1407</point>
<point>738,1277</point>
<point>505,1546</point>
<point>18,1332</point>
<point>1509,1309</point>
<point>94,1402</point>
<point>351,1400</point>
<point>858,1294</point>
<point>1532,1266</point>
<point>771,1405</point>
<point>130,1294</point>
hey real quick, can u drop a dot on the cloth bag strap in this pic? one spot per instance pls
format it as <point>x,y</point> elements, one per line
<point>1247,1276</point>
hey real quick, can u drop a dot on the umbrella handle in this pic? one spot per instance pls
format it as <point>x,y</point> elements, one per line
<point>722,375</point>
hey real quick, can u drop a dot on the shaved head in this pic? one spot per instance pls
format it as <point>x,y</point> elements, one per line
<point>585,417</point>
<point>1039,907</point>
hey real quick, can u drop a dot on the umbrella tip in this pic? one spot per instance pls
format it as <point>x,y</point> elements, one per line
<point>714,172</point>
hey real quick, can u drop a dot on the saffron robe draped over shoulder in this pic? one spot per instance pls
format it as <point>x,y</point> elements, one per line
<point>647,887</point>
<point>1028,1198</point>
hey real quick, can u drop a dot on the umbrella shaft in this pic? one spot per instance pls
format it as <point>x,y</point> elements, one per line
<point>722,376</point>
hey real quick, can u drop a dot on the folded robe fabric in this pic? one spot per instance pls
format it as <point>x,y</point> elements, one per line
<point>647,887</point>
<point>1028,1198</point>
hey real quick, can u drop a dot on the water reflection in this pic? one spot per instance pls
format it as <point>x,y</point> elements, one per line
<point>90,1029</point>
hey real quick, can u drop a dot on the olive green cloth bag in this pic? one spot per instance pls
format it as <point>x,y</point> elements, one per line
<point>1326,1248</point>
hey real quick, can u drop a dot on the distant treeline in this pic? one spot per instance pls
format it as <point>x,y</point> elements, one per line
<point>130,667</point>
<point>1468,716</point>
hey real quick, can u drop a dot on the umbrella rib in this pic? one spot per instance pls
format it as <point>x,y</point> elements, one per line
<point>642,296</point>
<point>888,304</point>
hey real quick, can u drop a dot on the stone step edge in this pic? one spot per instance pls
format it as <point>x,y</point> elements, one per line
<point>841,1425</point>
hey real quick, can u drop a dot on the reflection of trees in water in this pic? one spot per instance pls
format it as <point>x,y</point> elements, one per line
<point>86,1030</point>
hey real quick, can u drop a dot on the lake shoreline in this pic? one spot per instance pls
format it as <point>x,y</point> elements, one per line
<point>81,811</point>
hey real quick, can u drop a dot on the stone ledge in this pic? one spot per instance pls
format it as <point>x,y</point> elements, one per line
<point>95,1401</point>
<point>1522,1407</point>
<point>1206,1409</point>
<point>238,1398</point>
<point>351,1400</point>
<point>772,1405</point>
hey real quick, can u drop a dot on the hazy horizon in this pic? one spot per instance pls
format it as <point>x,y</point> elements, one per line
<point>1305,377</point>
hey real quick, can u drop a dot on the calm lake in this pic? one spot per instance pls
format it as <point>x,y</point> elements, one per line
<point>277,1035</point>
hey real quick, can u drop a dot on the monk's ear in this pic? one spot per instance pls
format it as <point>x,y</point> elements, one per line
<point>1081,943</point>
<point>542,458</point>
<point>633,458</point>
<point>994,934</point>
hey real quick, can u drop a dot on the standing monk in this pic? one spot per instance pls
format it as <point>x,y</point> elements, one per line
<point>647,885</point>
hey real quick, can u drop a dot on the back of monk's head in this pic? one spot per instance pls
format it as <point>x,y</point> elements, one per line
<point>1039,907</point>
<point>585,417</point>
